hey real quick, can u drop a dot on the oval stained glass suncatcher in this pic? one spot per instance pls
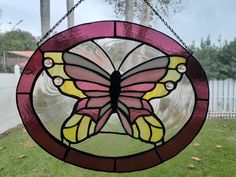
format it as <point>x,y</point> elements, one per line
<point>113,96</point>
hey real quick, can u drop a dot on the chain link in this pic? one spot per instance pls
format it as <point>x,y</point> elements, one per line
<point>169,27</point>
<point>59,22</point>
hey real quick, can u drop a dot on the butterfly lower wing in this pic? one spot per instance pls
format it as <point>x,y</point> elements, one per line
<point>77,128</point>
<point>140,122</point>
<point>149,128</point>
<point>86,120</point>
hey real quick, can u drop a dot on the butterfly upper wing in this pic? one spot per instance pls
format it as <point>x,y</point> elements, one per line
<point>151,78</point>
<point>86,81</point>
<point>142,83</point>
<point>78,74</point>
<point>175,70</point>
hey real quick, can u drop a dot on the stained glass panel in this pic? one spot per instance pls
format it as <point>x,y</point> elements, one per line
<point>122,86</point>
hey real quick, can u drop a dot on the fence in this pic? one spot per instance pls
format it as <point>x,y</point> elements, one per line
<point>222,99</point>
<point>9,116</point>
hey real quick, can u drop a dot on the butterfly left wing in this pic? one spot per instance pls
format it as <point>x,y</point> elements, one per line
<point>87,119</point>
<point>82,79</point>
<point>74,75</point>
<point>153,79</point>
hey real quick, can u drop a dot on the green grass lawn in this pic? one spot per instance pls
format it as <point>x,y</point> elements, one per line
<point>214,151</point>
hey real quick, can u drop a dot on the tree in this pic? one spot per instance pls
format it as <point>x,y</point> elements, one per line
<point>145,15</point>
<point>16,40</point>
<point>141,11</point>
<point>45,16</point>
<point>0,18</point>
<point>218,62</point>
<point>69,5</point>
<point>129,14</point>
<point>227,59</point>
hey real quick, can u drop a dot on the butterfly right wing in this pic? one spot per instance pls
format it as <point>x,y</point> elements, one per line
<point>153,79</point>
<point>140,121</point>
<point>80,78</point>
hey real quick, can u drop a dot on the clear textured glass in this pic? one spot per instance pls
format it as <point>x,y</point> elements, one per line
<point>140,55</point>
<point>92,52</point>
<point>117,49</point>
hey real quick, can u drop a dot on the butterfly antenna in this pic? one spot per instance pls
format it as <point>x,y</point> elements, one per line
<point>128,54</point>
<point>113,66</point>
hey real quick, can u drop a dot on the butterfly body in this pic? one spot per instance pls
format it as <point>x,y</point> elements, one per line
<point>101,94</point>
<point>115,89</point>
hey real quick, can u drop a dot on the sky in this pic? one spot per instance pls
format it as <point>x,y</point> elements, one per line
<point>197,20</point>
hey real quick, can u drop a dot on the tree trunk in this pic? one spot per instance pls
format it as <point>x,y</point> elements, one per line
<point>129,11</point>
<point>70,20</point>
<point>145,15</point>
<point>45,16</point>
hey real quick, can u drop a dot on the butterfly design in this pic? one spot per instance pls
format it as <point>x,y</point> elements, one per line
<point>100,94</point>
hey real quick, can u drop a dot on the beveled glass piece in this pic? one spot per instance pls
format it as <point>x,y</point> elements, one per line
<point>58,81</point>
<point>48,62</point>
<point>169,85</point>
<point>181,68</point>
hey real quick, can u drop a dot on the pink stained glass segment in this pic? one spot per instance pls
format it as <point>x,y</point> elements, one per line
<point>125,123</point>
<point>103,120</point>
<point>81,33</point>
<point>198,78</point>
<point>146,105</point>
<point>152,37</point>
<point>85,161</point>
<point>82,103</point>
<point>92,113</point>
<point>140,161</point>
<point>131,102</point>
<point>139,87</point>
<point>97,94</point>
<point>132,94</point>
<point>93,103</point>
<point>83,74</point>
<point>154,76</point>
<point>86,86</point>
<point>30,73</point>
<point>135,113</point>
<point>98,102</point>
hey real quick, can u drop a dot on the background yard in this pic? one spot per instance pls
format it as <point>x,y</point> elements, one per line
<point>207,27</point>
<point>211,154</point>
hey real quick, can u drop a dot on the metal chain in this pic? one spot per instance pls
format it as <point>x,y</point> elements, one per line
<point>169,27</point>
<point>59,22</point>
